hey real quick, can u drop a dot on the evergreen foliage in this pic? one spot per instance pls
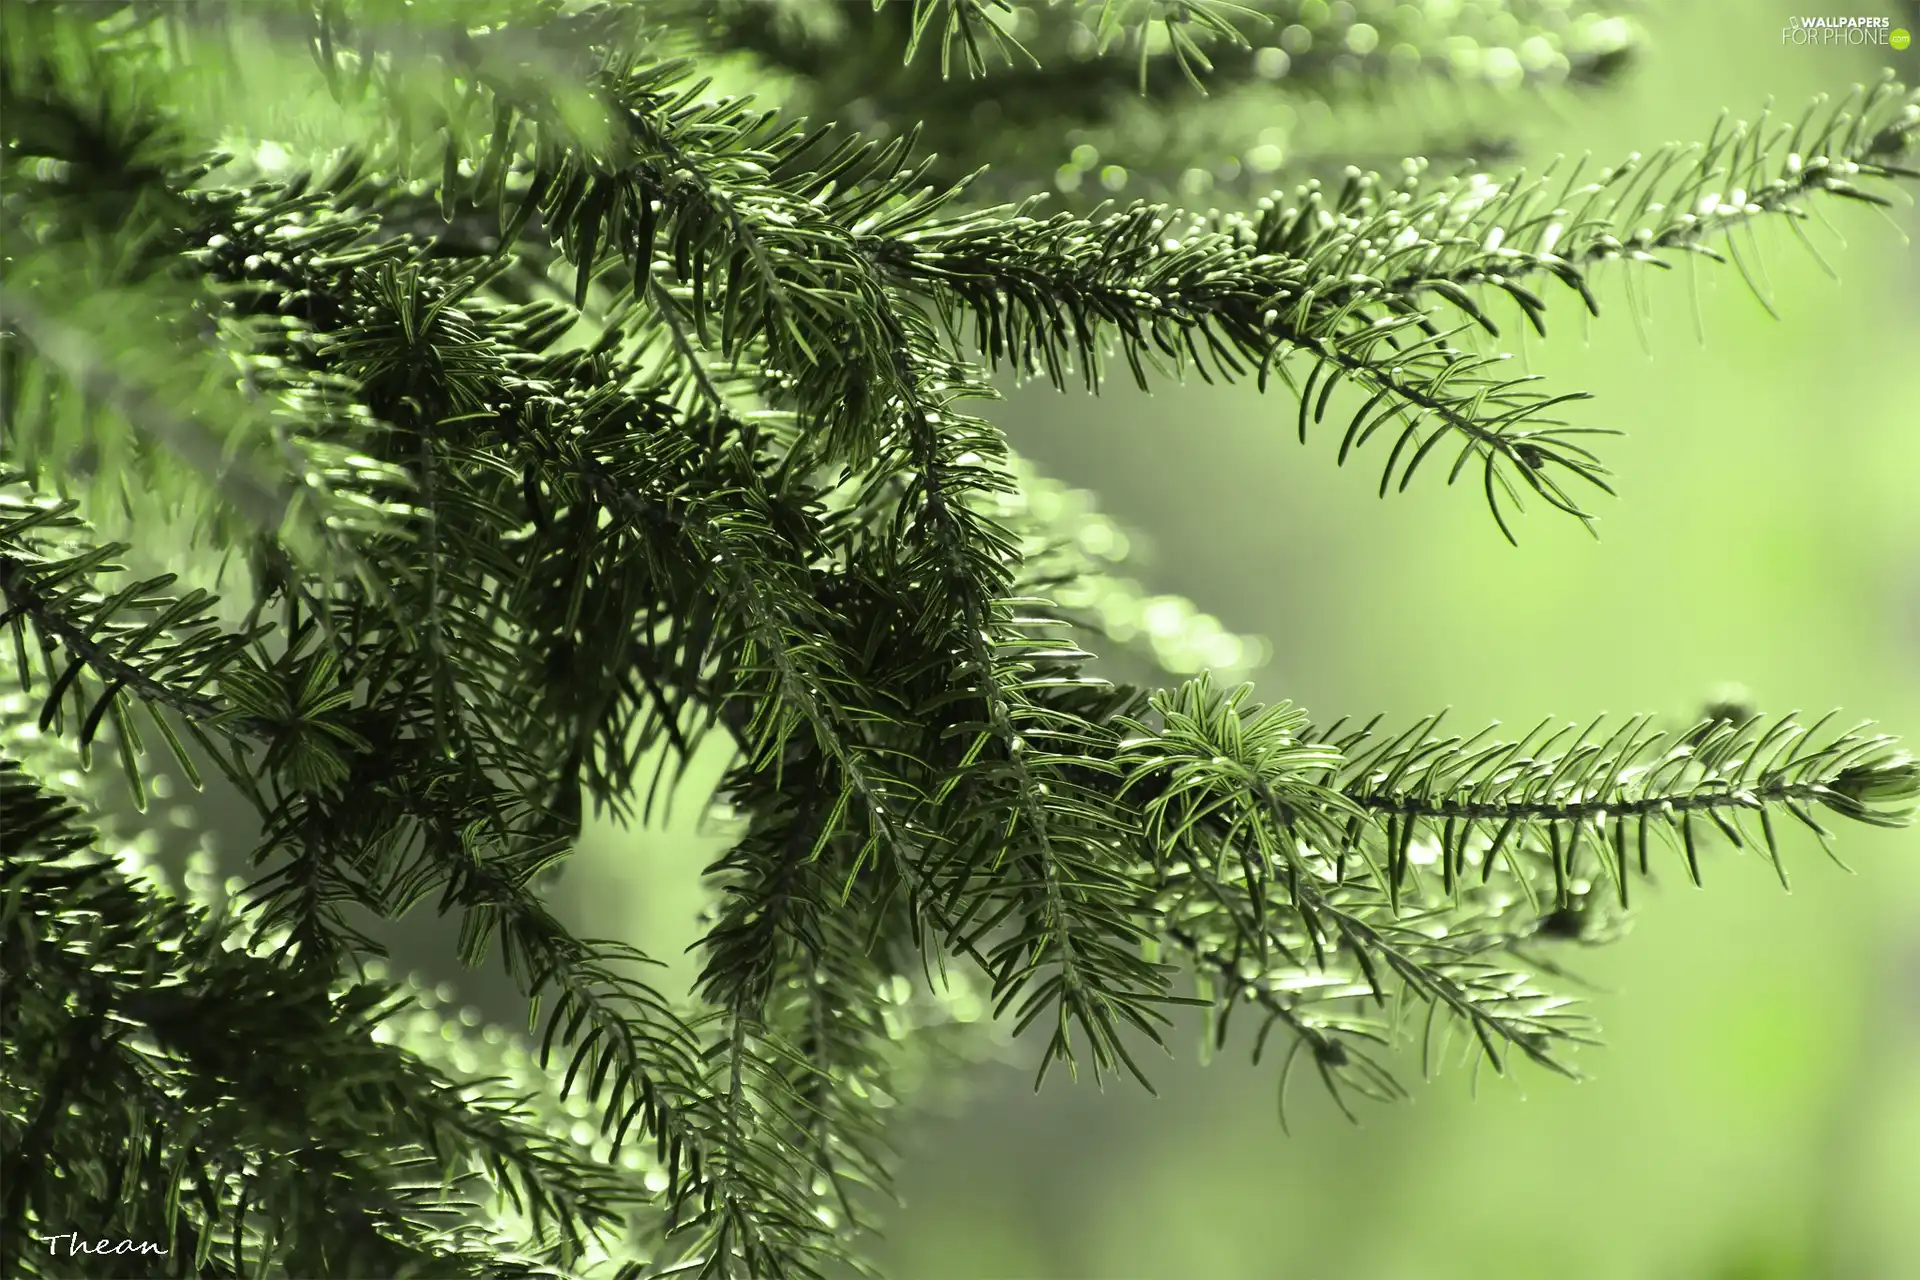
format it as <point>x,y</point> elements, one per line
<point>558,408</point>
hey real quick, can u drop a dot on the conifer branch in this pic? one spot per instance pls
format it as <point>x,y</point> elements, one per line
<point>1628,213</point>
<point>745,597</point>
<point>539,952</point>
<point>1063,900</point>
<point>721,475</point>
<point>1570,791</point>
<point>1231,294</point>
<point>1241,787</point>
<point>189,1011</point>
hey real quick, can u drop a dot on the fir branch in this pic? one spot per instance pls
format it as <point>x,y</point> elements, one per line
<point>1072,924</point>
<point>1230,294</point>
<point>136,641</point>
<point>798,663</point>
<point>735,485</point>
<point>1328,1037</point>
<point>199,1023</point>
<point>538,951</point>
<point>1250,778</point>
<point>1570,791</point>
<point>1506,447</point>
<point>1396,251</point>
<point>1042,293</point>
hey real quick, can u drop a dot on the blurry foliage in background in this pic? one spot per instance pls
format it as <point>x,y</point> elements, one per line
<point>559,411</point>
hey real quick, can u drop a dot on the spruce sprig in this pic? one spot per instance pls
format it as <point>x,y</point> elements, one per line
<point>641,413</point>
<point>243,1108</point>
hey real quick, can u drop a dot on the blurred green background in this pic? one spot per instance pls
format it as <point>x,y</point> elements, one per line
<point>1755,1113</point>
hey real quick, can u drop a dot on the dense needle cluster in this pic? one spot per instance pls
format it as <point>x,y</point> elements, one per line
<point>555,408</point>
